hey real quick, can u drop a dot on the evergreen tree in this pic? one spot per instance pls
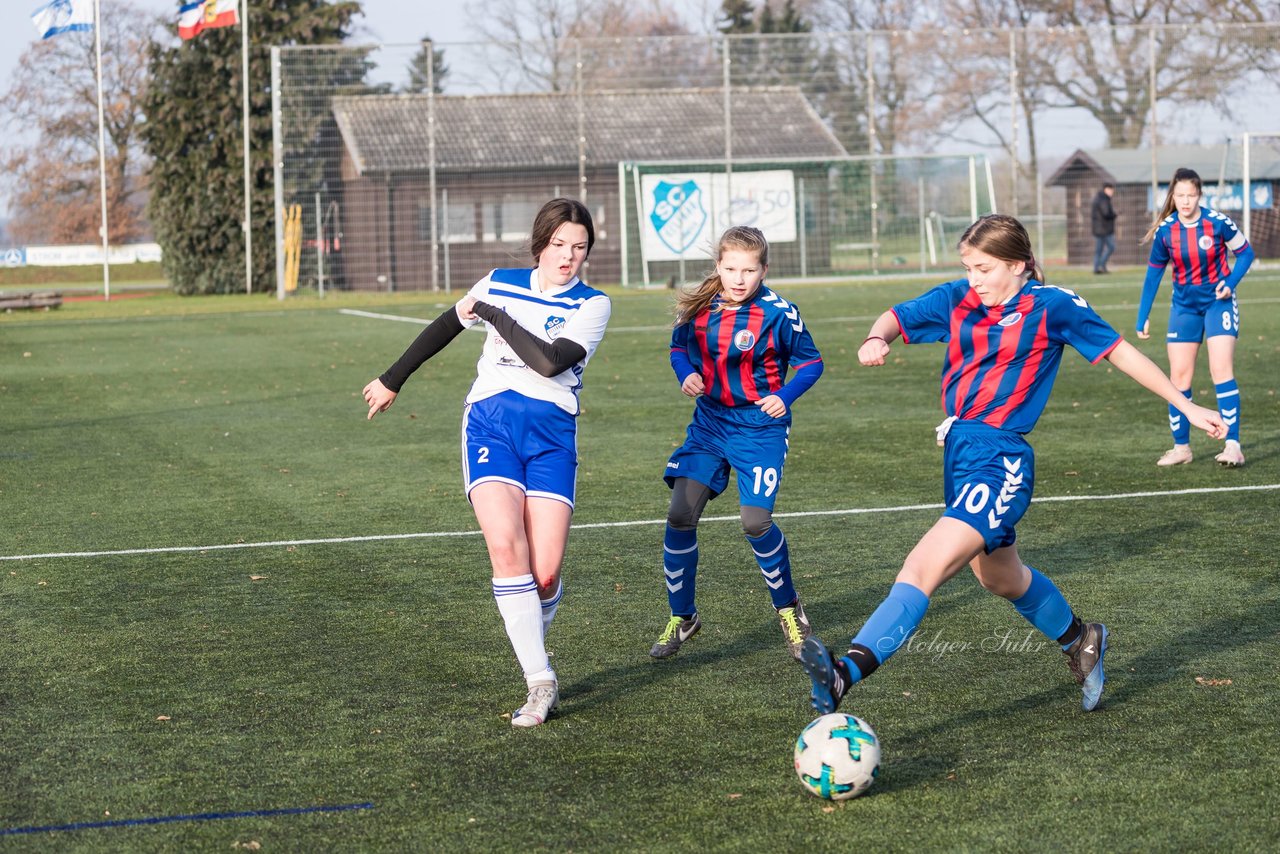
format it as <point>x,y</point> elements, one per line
<point>420,72</point>
<point>791,20</point>
<point>736,17</point>
<point>193,133</point>
<point>768,24</point>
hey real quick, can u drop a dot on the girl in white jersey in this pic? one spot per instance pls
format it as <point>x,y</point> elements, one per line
<point>519,428</point>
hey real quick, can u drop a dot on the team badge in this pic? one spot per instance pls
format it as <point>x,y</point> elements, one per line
<point>555,325</point>
<point>678,215</point>
<point>1205,242</point>
<point>744,340</point>
<point>1010,319</point>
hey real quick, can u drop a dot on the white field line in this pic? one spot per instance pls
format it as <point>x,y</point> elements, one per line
<point>857,511</point>
<point>811,321</point>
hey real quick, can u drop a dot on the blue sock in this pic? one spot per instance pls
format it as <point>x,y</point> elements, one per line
<point>680,564</point>
<point>1044,607</point>
<point>1229,407</point>
<point>1178,423</point>
<point>770,549</point>
<point>890,625</point>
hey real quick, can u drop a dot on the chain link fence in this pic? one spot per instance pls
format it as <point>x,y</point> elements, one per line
<point>419,167</point>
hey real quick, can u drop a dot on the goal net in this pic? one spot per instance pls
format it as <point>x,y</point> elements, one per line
<point>823,218</point>
<point>1246,190</point>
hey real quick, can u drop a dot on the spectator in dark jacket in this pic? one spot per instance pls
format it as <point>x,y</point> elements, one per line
<point>1104,228</point>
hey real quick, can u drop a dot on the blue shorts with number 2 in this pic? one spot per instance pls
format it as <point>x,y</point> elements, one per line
<point>527,443</point>
<point>988,477</point>
<point>741,438</point>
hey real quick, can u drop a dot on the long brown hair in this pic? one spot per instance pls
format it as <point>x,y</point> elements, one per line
<point>1002,236</point>
<point>1184,174</point>
<point>554,214</point>
<point>740,237</point>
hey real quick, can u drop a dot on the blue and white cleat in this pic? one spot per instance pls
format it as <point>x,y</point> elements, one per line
<point>817,662</point>
<point>1085,660</point>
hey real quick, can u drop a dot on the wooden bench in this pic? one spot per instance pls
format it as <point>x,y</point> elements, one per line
<point>31,299</point>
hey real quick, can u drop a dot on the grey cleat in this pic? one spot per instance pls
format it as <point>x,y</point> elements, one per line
<point>1085,660</point>
<point>678,631</point>
<point>795,627</point>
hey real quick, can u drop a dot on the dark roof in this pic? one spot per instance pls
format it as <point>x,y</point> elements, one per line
<point>1133,165</point>
<point>388,133</point>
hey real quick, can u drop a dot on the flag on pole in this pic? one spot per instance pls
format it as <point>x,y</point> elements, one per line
<point>61,16</point>
<point>195,16</point>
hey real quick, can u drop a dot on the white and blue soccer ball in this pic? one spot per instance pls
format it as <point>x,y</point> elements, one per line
<point>837,756</point>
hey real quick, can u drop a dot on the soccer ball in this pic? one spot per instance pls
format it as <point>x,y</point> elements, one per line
<point>837,756</point>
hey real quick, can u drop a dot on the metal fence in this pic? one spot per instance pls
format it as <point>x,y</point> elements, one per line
<point>859,152</point>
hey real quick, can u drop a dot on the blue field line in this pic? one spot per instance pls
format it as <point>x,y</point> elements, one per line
<point>793,514</point>
<point>168,819</point>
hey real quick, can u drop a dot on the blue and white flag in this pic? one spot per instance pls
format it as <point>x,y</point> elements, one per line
<point>60,16</point>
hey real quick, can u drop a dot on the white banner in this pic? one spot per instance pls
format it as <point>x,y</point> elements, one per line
<point>683,214</point>
<point>73,256</point>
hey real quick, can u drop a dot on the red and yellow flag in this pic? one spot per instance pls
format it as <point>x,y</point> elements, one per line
<point>198,15</point>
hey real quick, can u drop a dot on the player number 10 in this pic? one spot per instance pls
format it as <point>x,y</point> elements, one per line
<point>767,477</point>
<point>974,497</point>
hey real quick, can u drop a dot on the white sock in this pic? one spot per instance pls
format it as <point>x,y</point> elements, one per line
<point>549,607</point>
<point>521,611</point>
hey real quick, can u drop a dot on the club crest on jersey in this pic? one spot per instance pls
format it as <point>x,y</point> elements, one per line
<point>678,215</point>
<point>1205,242</point>
<point>555,325</point>
<point>744,340</point>
<point>1010,319</point>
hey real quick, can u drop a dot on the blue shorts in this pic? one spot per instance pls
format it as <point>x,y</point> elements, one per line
<point>739,437</point>
<point>988,475</point>
<point>1190,325</point>
<point>528,443</point>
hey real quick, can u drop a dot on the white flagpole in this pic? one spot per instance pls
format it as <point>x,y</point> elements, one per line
<point>102,151</point>
<point>248,185</point>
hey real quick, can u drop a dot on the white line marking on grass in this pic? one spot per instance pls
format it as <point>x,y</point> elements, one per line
<point>374,315</point>
<point>811,321</point>
<point>855,511</point>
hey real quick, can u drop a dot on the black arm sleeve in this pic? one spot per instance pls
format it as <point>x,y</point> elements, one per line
<point>433,339</point>
<point>547,358</point>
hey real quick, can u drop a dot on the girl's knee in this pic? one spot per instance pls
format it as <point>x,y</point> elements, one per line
<point>756,521</point>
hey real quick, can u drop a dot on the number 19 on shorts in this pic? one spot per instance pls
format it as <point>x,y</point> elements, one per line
<point>766,479</point>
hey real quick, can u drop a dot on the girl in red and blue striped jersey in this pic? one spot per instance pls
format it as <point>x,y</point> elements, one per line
<point>733,342</point>
<point>1195,239</point>
<point>1005,332</point>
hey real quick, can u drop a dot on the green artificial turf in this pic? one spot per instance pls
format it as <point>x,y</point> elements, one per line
<point>238,625</point>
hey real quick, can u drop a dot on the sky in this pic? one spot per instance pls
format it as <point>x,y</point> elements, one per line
<point>383,21</point>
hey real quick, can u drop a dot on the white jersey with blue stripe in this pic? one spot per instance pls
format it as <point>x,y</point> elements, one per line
<point>575,311</point>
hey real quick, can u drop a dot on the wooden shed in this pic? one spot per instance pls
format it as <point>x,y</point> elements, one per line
<point>497,158</point>
<point>1221,172</point>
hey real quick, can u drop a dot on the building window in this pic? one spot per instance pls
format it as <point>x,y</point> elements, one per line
<point>455,218</point>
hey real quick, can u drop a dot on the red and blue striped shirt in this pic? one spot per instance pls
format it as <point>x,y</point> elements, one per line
<point>1001,362</point>
<point>1199,256</point>
<point>743,352</point>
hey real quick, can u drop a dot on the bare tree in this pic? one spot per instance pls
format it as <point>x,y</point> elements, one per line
<point>1101,60</point>
<point>50,164</point>
<point>886,64</point>
<point>539,38</point>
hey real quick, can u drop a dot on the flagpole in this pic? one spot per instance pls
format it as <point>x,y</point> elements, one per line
<point>248,184</point>
<point>102,151</point>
